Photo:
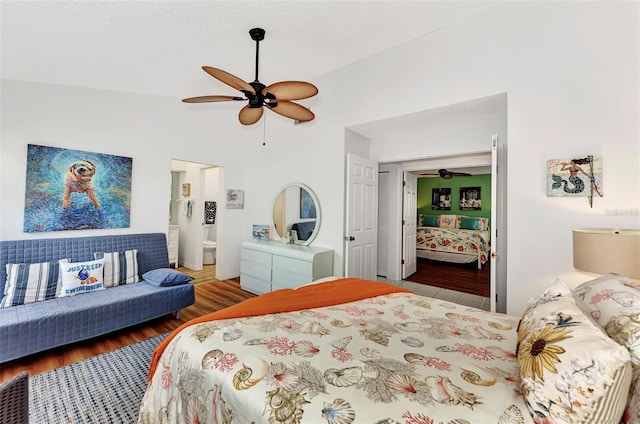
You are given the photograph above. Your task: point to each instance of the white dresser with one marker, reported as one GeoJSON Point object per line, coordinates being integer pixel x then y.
{"type": "Point", "coordinates": [267, 266]}
{"type": "Point", "coordinates": [173, 238]}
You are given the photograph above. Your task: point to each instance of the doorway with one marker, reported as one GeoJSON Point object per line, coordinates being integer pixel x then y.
{"type": "Point", "coordinates": [447, 136]}
{"type": "Point", "coordinates": [195, 213]}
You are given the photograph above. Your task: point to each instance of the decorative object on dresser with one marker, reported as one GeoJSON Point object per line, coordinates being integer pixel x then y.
{"type": "Point", "coordinates": [260, 232]}
{"type": "Point", "coordinates": [173, 243]}
{"type": "Point", "coordinates": [602, 251]}
{"type": "Point", "coordinates": [268, 266]}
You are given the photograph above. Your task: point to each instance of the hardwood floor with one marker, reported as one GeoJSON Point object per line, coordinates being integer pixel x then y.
{"type": "Point", "coordinates": [464, 278]}
{"type": "Point", "coordinates": [206, 275]}
{"type": "Point", "coordinates": [210, 296]}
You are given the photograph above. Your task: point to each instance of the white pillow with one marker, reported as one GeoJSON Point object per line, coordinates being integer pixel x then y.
{"type": "Point", "coordinates": [81, 277]}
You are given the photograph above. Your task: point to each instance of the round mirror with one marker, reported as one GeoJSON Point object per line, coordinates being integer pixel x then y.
{"type": "Point", "coordinates": [296, 212]}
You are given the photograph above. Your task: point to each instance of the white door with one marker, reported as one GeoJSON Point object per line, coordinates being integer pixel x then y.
{"type": "Point", "coordinates": [409, 213]}
{"type": "Point", "coordinates": [494, 220]}
{"type": "Point", "coordinates": [361, 217]}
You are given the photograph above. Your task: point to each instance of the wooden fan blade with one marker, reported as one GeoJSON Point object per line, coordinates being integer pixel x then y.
{"type": "Point", "coordinates": [291, 90]}
{"type": "Point", "coordinates": [293, 110]}
{"type": "Point", "coordinates": [460, 174]}
{"type": "Point", "coordinates": [229, 79]}
{"type": "Point", "coordinates": [205, 99]}
{"type": "Point", "coordinates": [250, 115]}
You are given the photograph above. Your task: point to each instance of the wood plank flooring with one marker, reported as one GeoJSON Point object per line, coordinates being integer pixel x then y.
{"type": "Point", "coordinates": [464, 278]}
{"type": "Point", "coordinates": [210, 296]}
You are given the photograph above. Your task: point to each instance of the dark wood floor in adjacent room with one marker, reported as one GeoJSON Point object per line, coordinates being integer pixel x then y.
{"type": "Point", "coordinates": [466, 278]}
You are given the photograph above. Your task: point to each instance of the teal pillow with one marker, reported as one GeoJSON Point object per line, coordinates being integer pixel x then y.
{"type": "Point", "coordinates": [430, 221]}
{"type": "Point", "coordinates": [469, 223]}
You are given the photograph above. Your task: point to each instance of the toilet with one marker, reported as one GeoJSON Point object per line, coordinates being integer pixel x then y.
{"type": "Point", "coordinates": [208, 247]}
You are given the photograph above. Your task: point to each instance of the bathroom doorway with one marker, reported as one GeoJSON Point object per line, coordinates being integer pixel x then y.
{"type": "Point", "coordinates": [195, 214]}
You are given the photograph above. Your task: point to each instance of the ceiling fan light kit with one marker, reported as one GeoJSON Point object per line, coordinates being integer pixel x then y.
{"type": "Point", "coordinates": [276, 97]}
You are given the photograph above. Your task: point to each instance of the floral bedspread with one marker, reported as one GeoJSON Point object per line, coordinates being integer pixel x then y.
{"type": "Point", "coordinates": [395, 358]}
{"type": "Point", "coordinates": [470, 242]}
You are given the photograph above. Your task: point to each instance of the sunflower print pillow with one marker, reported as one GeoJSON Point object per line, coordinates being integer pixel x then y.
{"type": "Point", "coordinates": [570, 370]}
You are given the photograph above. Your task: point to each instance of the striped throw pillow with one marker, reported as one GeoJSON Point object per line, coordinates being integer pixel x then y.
{"type": "Point", "coordinates": [28, 283]}
{"type": "Point", "coordinates": [119, 267]}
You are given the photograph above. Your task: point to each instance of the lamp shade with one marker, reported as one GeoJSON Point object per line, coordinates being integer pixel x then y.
{"type": "Point", "coordinates": [604, 251]}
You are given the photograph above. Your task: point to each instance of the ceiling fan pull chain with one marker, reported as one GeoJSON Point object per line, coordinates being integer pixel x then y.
{"type": "Point", "coordinates": [264, 131]}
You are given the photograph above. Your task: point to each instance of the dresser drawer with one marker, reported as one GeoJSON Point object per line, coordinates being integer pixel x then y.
{"type": "Point", "coordinates": [254, 285]}
{"type": "Point", "coordinates": [294, 265]}
{"type": "Point", "coordinates": [262, 258]}
{"type": "Point", "coordinates": [255, 270]}
{"type": "Point", "coordinates": [289, 279]}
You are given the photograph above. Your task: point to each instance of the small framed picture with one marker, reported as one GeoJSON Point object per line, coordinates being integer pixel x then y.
{"type": "Point", "coordinates": [235, 199]}
{"type": "Point", "coordinates": [470, 199]}
{"type": "Point", "coordinates": [261, 232]}
{"type": "Point", "coordinates": [186, 190]}
{"type": "Point", "coordinates": [441, 199]}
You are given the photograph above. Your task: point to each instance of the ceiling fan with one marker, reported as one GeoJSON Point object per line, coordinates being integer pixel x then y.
{"type": "Point", "coordinates": [447, 175]}
{"type": "Point", "coordinates": [276, 97]}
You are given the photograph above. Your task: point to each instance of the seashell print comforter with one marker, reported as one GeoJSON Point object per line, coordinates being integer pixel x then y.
{"type": "Point", "coordinates": [392, 358]}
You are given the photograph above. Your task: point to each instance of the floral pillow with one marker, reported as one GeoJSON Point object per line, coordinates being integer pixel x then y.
{"type": "Point", "coordinates": [614, 303]}
{"type": "Point", "coordinates": [447, 221]}
{"type": "Point", "coordinates": [570, 370]}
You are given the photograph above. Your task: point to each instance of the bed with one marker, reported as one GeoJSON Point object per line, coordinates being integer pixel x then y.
{"type": "Point", "coordinates": [357, 351]}
{"type": "Point", "coordinates": [453, 238]}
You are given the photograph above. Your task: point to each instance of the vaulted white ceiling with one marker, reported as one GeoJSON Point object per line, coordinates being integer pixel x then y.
{"type": "Point", "coordinates": [158, 47]}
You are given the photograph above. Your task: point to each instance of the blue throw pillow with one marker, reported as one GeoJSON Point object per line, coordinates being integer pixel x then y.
{"type": "Point", "coordinates": [430, 221]}
{"type": "Point", "coordinates": [165, 277]}
{"type": "Point", "coordinates": [469, 223]}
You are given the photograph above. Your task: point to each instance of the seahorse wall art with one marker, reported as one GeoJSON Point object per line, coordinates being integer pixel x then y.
{"type": "Point", "coordinates": [580, 176]}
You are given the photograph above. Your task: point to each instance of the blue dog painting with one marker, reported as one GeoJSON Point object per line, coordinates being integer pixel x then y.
{"type": "Point", "coordinates": [75, 190]}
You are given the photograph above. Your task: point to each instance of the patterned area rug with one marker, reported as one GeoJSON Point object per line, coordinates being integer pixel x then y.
{"type": "Point", "coordinates": [107, 388]}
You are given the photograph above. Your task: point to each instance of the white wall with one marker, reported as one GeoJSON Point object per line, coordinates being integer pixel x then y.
{"type": "Point", "coordinates": [572, 89]}
{"type": "Point", "coordinates": [152, 130]}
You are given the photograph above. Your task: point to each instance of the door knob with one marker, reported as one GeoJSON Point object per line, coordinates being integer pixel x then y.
{"type": "Point", "coordinates": [349, 238]}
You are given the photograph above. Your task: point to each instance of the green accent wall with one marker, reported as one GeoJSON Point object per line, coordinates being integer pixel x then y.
{"type": "Point", "coordinates": [426, 185]}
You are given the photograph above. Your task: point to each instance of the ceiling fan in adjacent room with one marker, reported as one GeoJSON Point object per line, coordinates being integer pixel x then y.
{"type": "Point", "coordinates": [447, 175]}
{"type": "Point", "coordinates": [277, 97]}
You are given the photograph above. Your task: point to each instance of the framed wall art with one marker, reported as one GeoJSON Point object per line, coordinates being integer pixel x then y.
{"type": "Point", "coordinates": [235, 199]}
{"type": "Point", "coordinates": [260, 232]}
{"type": "Point", "coordinates": [575, 177]}
{"type": "Point", "coordinates": [307, 205]}
{"type": "Point", "coordinates": [75, 190]}
{"type": "Point", "coordinates": [186, 190]}
{"type": "Point", "coordinates": [441, 199]}
{"type": "Point", "coordinates": [470, 199]}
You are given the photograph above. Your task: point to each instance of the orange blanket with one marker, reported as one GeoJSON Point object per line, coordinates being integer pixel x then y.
{"type": "Point", "coordinates": [313, 296]}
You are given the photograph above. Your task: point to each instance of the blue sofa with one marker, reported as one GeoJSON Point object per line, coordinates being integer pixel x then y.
{"type": "Point", "coordinates": [34, 327]}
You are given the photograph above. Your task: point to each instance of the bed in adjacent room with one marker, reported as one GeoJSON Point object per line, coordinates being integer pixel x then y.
{"type": "Point", "coordinates": [358, 351]}
{"type": "Point", "coordinates": [453, 238]}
